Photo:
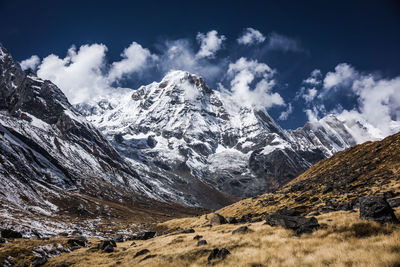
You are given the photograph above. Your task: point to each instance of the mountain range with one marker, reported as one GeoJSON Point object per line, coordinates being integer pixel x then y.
{"type": "Point", "coordinates": [171, 143]}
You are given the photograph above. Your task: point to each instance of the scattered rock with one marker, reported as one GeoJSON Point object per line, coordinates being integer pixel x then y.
{"type": "Point", "coordinates": [197, 237]}
{"type": "Point", "coordinates": [231, 220]}
{"type": "Point", "coordinates": [201, 242]}
{"type": "Point", "coordinates": [8, 233]}
{"type": "Point", "coordinates": [248, 218]}
{"type": "Point", "coordinates": [299, 224]}
{"type": "Point", "coordinates": [39, 261]}
{"type": "Point", "coordinates": [79, 241]}
{"type": "Point", "coordinates": [133, 244]}
{"type": "Point", "coordinates": [218, 254]}
{"type": "Point", "coordinates": [119, 238]}
{"type": "Point", "coordinates": [217, 219]}
{"type": "Point", "coordinates": [108, 249]}
{"type": "Point", "coordinates": [188, 231]}
{"type": "Point", "coordinates": [143, 235]}
{"type": "Point", "coordinates": [141, 252]}
{"type": "Point", "coordinates": [2, 241]}
{"type": "Point", "coordinates": [148, 257]}
{"type": "Point", "coordinates": [395, 202]}
{"type": "Point", "coordinates": [241, 230]}
{"type": "Point", "coordinates": [376, 208]}
{"type": "Point", "coordinates": [107, 243]}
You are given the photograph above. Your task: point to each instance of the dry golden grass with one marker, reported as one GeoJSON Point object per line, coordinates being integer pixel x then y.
{"type": "Point", "coordinates": [343, 240]}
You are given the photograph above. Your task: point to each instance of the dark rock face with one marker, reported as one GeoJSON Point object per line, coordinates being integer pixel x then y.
{"type": "Point", "coordinates": [218, 254]}
{"type": "Point", "coordinates": [241, 230]}
{"type": "Point", "coordinates": [8, 233]}
{"type": "Point", "coordinates": [141, 252]}
{"type": "Point", "coordinates": [143, 235]}
{"type": "Point", "coordinates": [217, 219]}
{"type": "Point", "coordinates": [376, 208]}
{"type": "Point", "coordinates": [299, 224]}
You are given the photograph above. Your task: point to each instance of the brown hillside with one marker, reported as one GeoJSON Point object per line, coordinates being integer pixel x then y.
{"type": "Point", "coordinates": [335, 183]}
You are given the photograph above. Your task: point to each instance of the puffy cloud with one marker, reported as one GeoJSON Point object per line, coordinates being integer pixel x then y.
{"type": "Point", "coordinates": [244, 72]}
{"type": "Point", "coordinates": [79, 74]}
{"type": "Point", "coordinates": [210, 43]}
{"type": "Point", "coordinates": [285, 114]}
{"type": "Point", "coordinates": [377, 99]}
{"type": "Point", "coordinates": [251, 36]}
{"type": "Point", "coordinates": [135, 59]}
{"type": "Point", "coordinates": [282, 43]}
{"type": "Point", "coordinates": [343, 75]}
{"type": "Point", "coordinates": [30, 63]}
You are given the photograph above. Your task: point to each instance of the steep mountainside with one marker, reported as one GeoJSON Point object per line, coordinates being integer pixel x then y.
{"type": "Point", "coordinates": [54, 162]}
{"type": "Point", "coordinates": [336, 183]}
{"type": "Point", "coordinates": [179, 127]}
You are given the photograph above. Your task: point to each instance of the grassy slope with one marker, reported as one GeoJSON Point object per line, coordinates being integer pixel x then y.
{"type": "Point", "coordinates": [343, 240]}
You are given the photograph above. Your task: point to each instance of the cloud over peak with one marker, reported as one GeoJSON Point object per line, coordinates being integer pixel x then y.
{"type": "Point", "coordinates": [210, 43]}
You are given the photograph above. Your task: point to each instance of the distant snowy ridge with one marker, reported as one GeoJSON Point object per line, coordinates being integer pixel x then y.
{"type": "Point", "coordinates": [179, 125]}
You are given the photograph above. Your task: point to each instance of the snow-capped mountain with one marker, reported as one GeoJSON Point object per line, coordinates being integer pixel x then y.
{"type": "Point", "coordinates": [54, 162]}
{"type": "Point", "coordinates": [175, 141]}
{"type": "Point", "coordinates": [183, 128]}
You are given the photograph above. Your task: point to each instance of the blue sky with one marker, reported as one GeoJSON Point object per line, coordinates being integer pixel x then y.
{"type": "Point", "coordinates": [303, 43]}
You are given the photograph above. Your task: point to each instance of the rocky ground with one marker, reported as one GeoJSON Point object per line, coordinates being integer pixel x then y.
{"type": "Point", "coordinates": [339, 238]}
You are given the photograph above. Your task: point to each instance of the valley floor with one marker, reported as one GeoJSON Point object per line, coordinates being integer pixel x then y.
{"type": "Point", "coordinates": [342, 240]}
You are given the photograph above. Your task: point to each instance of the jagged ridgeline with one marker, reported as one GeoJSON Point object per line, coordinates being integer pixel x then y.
{"type": "Point", "coordinates": [173, 141]}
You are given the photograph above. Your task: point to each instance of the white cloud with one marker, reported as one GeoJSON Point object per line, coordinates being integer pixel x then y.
{"type": "Point", "coordinates": [30, 63]}
{"type": "Point", "coordinates": [285, 114]}
{"type": "Point", "coordinates": [245, 72]}
{"type": "Point", "coordinates": [343, 75]}
{"type": "Point", "coordinates": [79, 74]}
{"type": "Point", "coordinates": [310, 95]}
{"type": "Point", "coordinates": [251, 36]}
{"type": "Point", "coordinates": [282, 43]}
{"type": "Point", "coordinates": [377, 99]}
{"type": "Point", "coordinates": [180, 55]}
{"type": "Point", "coordinates": [135, 59]}
{"type": "Point", "coordinates": [210, 43]}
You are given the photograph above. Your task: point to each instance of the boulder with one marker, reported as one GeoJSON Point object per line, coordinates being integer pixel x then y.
{"type": "Point", "coordinates": [79, 241]}
{"type": "Point", "coordinates": [141, 252]}
{"type": "Point", "coordinates": [107, 243]}
{"type": "Point", "coordinates": [197, 237]}
{"type": "Point", "coordinates": [231, 220]}
{"type": "Point", "coordinates": [188, 231]}
{"type": "Point", "coordinates": [201, 242]}
{"type": "Point", "coordinates": [119, 238]}
{"type": "Point", "coordinates": [299, 224]}
{"type": "Point", "coordinates": [39, 261]}
{"type": "Point", "coordinates": [143, 235]}
{"type": "Point", "coordinates": [217, 219]}
{"type": "Point", "coordinates": [8, 233]}
{"type": "Point", "coordinates": [108, 249]}
{"type": "Point", "coordinates": [218, 254]}
{"type": "Point", "coordinates": [376, 208]}
{"type": "Point", "coordinates": [395, 202]}
{"type": "Point", "coordinates": [241, 230]}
